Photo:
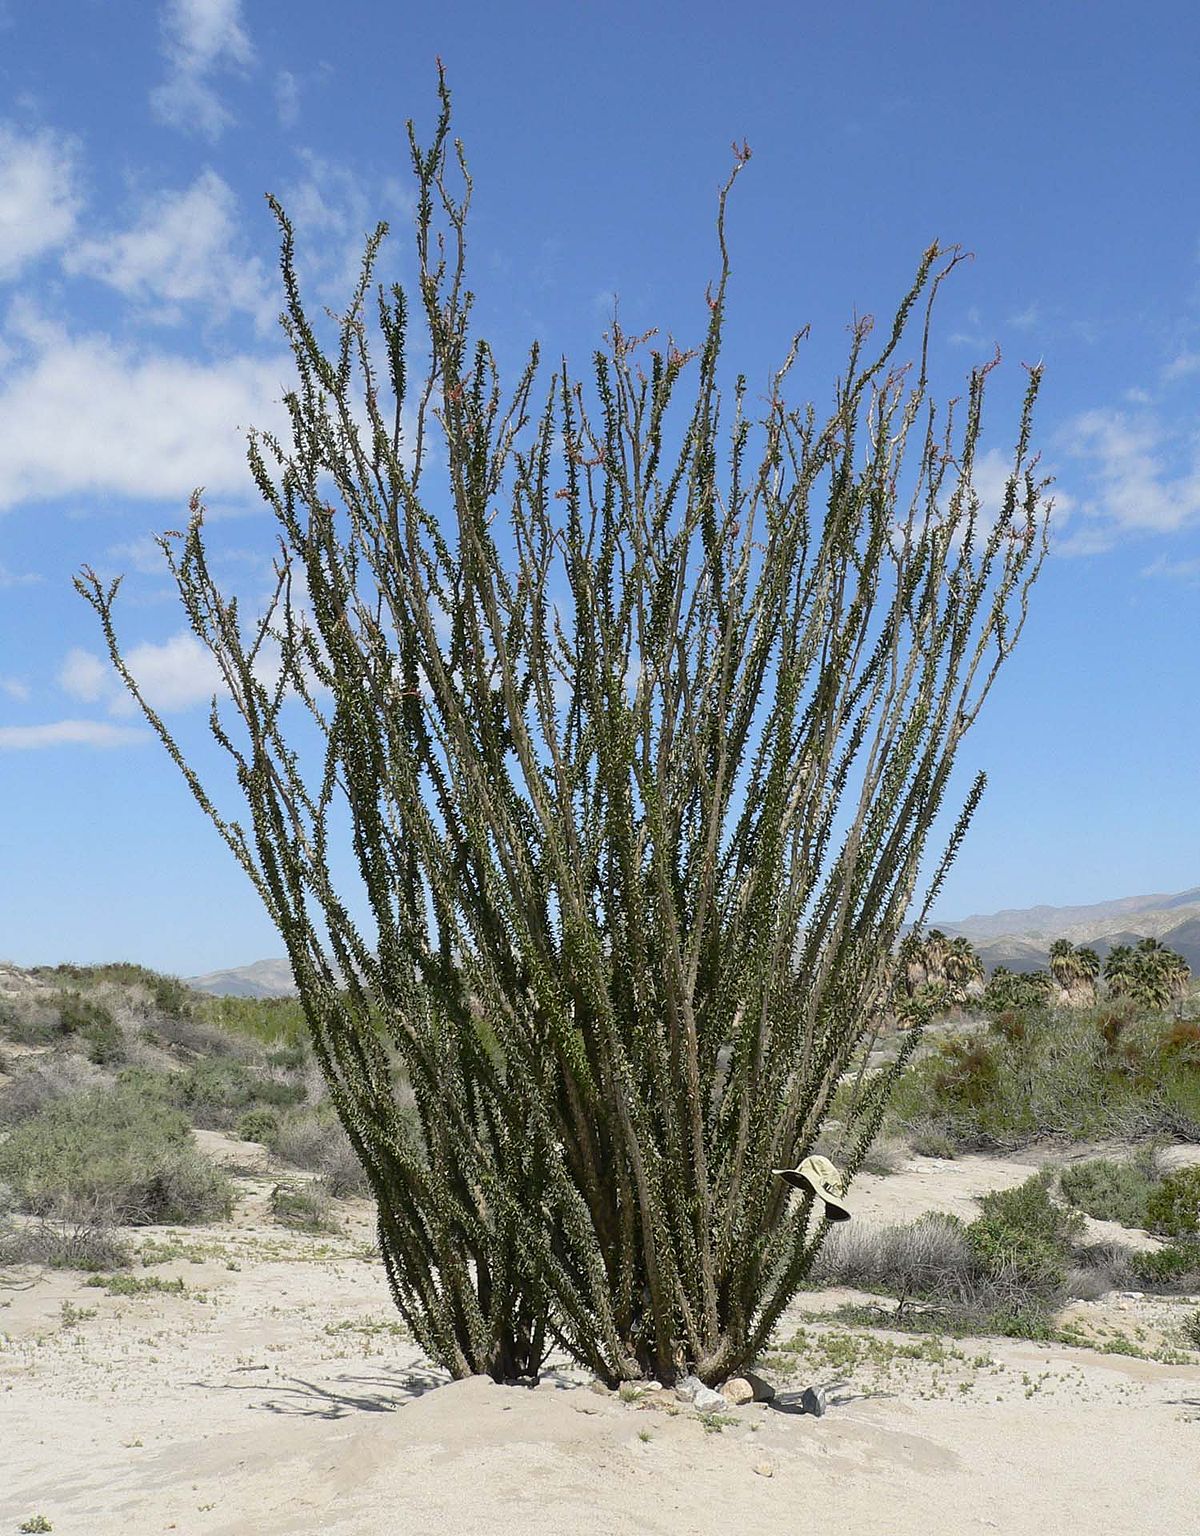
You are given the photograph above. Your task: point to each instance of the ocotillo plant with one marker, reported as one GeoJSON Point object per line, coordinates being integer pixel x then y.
{"type": "Point", "coordinates": [637, 726]}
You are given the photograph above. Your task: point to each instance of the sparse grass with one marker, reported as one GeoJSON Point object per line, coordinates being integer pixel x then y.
{"type": "Point", "coordinates": [115, 1152]}
{"type": "Point", "coordinates": [35, 1523]}
{"type": "Point", "coordinates": [137, 1285]}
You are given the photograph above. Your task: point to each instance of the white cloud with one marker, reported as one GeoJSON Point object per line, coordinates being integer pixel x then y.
{"type": "Point", "coordinates": [84, 676]}
{"type": "Point", "coordinates": [38, 198]}
{"type": "Point", "coordinates": [14, 688]}
{"type": "Point", "coordinates": [182, 250]}
{"type": "Point", "coordinates": [1140, 478]}
{"type": "Point", "coordinates": [89, 733]}
{"type": "Point", "coordinates": [81, 416]}
{"type": "Point", "coordinates": [173, 674]}
{"type": "Point", "coordinates": [201, 39]}
{"type": "Point", "coordinates": [17, 578]}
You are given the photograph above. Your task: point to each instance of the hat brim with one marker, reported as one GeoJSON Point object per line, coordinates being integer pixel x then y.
{"type": "Point", "coordinates": [833, 1208]}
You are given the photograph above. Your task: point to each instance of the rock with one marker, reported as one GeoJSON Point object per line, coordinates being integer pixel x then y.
{"type": "Point", "coordinates": [812, 1400]}
{"type": "Point", "coordinates": [737, 1390]}
{"type": "Point", "coordinates": [598, 1387]}
{"type": "Point", "coordinates": [763, 1390]}
{"type": "Point", "coordinates": [708, 1401]}
{"type": "Point", "coordinates": [651, 1385]}
{"type": "Point", "coordinates": [687, 1387]}
{"type": "Point", "coordinates": [764, 1469]}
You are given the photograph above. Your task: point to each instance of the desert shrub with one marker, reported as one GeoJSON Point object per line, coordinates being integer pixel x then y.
{"type": "Point", "coordinates": [88, 1242]}
{"type": "Point", "coordinates": [1174, 1267]}
{"type": "Point", "coordinates": [288, 1058]}
{"type": "Point", "coordinates": [28, 1021]}
{"type": "Point", "coordinates": [304, 1208]}
{"type": "Point", "coordinates": [217, 1092]}
{"type": "Point", "coordinates": [315, 1140]}
{"type": "Point", "coordinates": [1189, 1328]}
{"type": "Point", "coordinates": [1173, 1208]}
{"type": "Point", "coordinates": [928, 1257]}
{"type": "Point", "coordinates": [128, 1156]}
{"type": "Point", "coordinates": [1108, 1190]}
{"type": "Point", "coordinates": [48, 1080]}
{"type": "Point", "coordinates": [258, 1125]}
{"type": "Point", "coordinates": [198, 1036]}
{"type": "Point", "coordinates": [105, 1042]}
{"type": "Point", "coordinates": [968, 1074]}
{"type": "Point", "coordinates": [1099, 1268]}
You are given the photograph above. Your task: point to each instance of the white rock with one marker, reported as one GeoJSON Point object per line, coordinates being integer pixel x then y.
{"type": "Point", "coordinates": [708, 1401]}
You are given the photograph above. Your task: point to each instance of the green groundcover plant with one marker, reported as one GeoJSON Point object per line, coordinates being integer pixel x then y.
{"type": "Point", "coordinates": [635, 700]}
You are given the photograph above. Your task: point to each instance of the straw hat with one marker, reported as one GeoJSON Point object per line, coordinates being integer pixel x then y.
{"type": "Point", "coordinates": [817, 1176]}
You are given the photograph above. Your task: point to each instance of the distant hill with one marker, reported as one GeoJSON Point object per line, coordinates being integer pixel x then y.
{"type": "Point", "coordinates": [265, 978]}
{"type": "Point", "coordinates": [1141, 914]}
{"type": "Point", "coordinates": [1020, 938]}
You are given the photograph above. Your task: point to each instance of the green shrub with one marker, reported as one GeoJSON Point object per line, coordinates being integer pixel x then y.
{"type": "Point", "coordinates": [115, 1151]}
{"type": "Point", "coordinates": [1190, 1329]}
{"type": "Point", "coordinates": [1025, 1233]}
{"type": "Point", "coordinates": [1173, 1209]}
{"type": "Point", "coordinates": [77, 1013]}
{"type": "Point", "coordinates": [1175, 1267]}
{"type": "Point", "coordinates": [1108, 1190]}
{"type": "Point", "coordinates": [258, 1125]}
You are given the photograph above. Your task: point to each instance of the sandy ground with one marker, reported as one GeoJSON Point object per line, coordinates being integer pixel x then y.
{"type": "Point", "coordinates": [277, 1395]}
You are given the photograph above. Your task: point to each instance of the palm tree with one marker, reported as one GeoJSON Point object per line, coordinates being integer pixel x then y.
{"type": "Point", "coordinates": [1119, 969]}
{"type": "Point", "coordinates": [1074, 971]}
{"type": "Point", "coordinates": [1062, 963]}
{"type": "Point", "coordinates": [962, 964]}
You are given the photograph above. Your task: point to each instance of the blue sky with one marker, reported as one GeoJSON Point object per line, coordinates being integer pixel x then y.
{"type": "Point", "coordinates": [138, 291]}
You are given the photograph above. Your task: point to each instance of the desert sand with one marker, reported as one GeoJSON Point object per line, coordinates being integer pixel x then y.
{"type": "Point", "coordinates": [277, 1394]}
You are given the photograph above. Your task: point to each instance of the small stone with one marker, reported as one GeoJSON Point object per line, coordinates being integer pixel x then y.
{"type": "Point", "coordinates": [651, 1385]}
{"type": "Point", "coordinates": [598, 1387]}
{"type": "Point", "coordinates": [764, 1469]}
{"type": "Point", "coordinates": [737, 1390]}
{"type": "Point", "coordinates": [687, 1387]}
{"type": "Point", "coordinates": [812, 1400]}
{"type": "Point", "coordinates": [708, 1401]}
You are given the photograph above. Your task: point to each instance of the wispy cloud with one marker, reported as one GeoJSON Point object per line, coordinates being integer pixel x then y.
{"type": "Point", "coordinates": [1135, 477]}
{"type": "Point", "coordinates": [1182, 366]}
{"type": "Point", "coordinates": [14, 688]}
{"type": "Point", "coordinates": [72, 733]}
{"type": "Point", "coordinates": [17, 578]}
{"type": "Point", "coordinates": [1186, 571]}
{"type": "Point", "coordinates": [287, 98]}
{"type": "Point", "coordinates": [202, 39]}
{"type": "Point", "coordinates": [80, 415]}
{"type": "Point", "coordinates": [183, 249]}
{"type": "Point", "coordinates": [39, 200]}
